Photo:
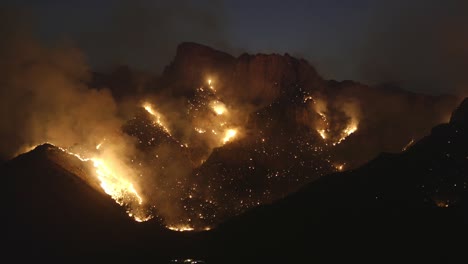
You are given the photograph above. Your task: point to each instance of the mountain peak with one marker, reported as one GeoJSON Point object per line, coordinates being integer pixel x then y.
{"type": "Point", "coordinates": [258, 78]}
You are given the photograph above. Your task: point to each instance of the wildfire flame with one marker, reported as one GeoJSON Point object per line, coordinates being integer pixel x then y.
{"type": "Point", "coordinates": [157, 117]}
{"type": "Point", "coordinates": [322, 133]}
{"type": "Point", "coordinates": [218, 107]}
{"type": "Point", "coordinates": [408, 145]}
{"type": "Point", "coordinates": [209, 85]}
{"type": "Point", "coordinates": [229, 135]}
{"type": "Point", "coordinates": [323, 127]}
{"type": "Point", "coordinates": [350, 129]}
{"type": "Point", "coordinates": [184, 228]}
{"type": "Point", "coordinates": [181, 228]}
{"type": "Point", "coordinates": [98, 146]}
{"type": "Point", "coordinates": [339, 167]}
{"type": "Point", "coordinates": [112, 183]}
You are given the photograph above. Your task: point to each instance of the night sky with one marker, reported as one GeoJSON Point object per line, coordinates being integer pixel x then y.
{"type": "Point", "coordinates": [422, 45]}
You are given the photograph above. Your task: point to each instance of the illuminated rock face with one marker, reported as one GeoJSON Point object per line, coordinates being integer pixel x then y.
{"type": "Point", "coordinates": [253, 78]}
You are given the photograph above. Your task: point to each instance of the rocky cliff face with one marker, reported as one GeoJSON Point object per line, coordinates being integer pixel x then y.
{"type": "Point", "coordinates": [294, 127]}
{"type": "Point", "coordinates": [257, 78]}
{"type": "Point", "coordinates": [264, 126]}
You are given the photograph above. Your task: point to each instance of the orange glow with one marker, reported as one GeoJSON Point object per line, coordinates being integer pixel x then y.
{"type": "Point", "coordinates": [157, 117]}
{"type": "Point", "coordinates": [322, 133]}
{"type": "Point", "coordinates": [229, 135]}
{"type": "Point", "coordinates": [350, 129]}
{"type": "Point", "coordinates": [181, 228]}
{"type": "Point", "coordinates": [408, 145]}
{"type": "Point", "coordinates": [218, 107]}
{"type": "Point", "coordinates": [114, 184]}
{"type": "Point", "coordinates": [339, 167]}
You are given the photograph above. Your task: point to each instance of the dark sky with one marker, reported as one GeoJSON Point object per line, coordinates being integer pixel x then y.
{"type": "Point", "coordinates": [422, 45]}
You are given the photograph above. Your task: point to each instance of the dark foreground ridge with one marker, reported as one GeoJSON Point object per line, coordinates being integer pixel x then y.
{"type": "Point", "coordinates": [398, 206]}
{"type": "Point", "coordinates": [411, 205]}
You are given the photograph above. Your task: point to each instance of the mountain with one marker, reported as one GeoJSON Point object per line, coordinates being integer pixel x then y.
{"type": "Point", "coordinates": [411, 205]}
{"type": "Point", "coordinates": [53, 210]}
{"type": "Point", "coordinates": [216, 135]}
{"type": "Point", "coordinates": [291, 127]}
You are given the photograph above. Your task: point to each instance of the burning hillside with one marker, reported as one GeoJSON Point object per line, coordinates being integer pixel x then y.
{"type": "Point", "coordinates": [213, 136]}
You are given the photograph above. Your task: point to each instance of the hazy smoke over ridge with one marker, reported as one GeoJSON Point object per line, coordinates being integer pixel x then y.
{"type": "Point", "coordinates": [421, 45]}
{"type": "Point", "coordinates": [146, 33]}
{"type": "Point", "coordinates": [44, 96]}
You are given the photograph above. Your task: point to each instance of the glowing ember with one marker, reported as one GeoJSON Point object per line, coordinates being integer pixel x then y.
{"type": "Point", "coordinates": [229, 135]}
{"type": "Point", "coordinates": [307, 98]}
{"type": "Point", "coordinates": [144, 219]}
{"type": "Point", "coordinates": [157, 117]}
{"type": "Point", "coordinates": [98, 146]}
{"type": "Point", "coordinates": [185, 228]}
{"type": "Point", "coordinates": [211, 86]}
{"type": "Point", "coordinates": [180, 228]}
{"type": "Point", "coordinates": [339, 167]}
{"type": "Point", "coordinates": [322, 133]}
{"type": "Point", "coordinates": [408, 145]}
{"type": "Point", "coordinates": [218, 107]}
{"type": "Point", "coordinates": [200, 130]}
{"type": "Point", "coordinates": [323, 116]}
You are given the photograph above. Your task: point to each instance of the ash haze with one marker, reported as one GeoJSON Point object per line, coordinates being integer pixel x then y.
{"type": "Point", "coordinates": [44, 96]}
{"type": "Point", "coordinates": [262, 128]}
{"type": "Point", "coordinates": [199, 134]}
{"type": "Point", "coordinates": [418, 45]}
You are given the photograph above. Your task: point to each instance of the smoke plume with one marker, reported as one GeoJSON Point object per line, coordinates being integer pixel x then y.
{"type": "Point", "coordinates": [44, 96]}
{"type": "Point", "coordinates": [421, 45]}
{"type": "Point", "coordinates": [144, 34]}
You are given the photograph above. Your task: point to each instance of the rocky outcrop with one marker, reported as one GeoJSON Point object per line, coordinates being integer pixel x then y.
{"type": "Point", "coordinates": [256, 79]}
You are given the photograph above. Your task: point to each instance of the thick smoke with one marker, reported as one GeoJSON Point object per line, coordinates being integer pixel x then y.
{"type": "Point", "coordinates": [144, 34]}
{"type": "Point", "coordinates": [421, 45]}
{"type": "Point", "coordinates": [44, 96]}
{"type": "Point", "coordinates": [387, 118]}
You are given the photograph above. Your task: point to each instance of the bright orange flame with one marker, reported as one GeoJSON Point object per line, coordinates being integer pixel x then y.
{"type": "Point", "coordinates": [157, 117]}
{"type": "Point", "coordinates": [209, 85]}
{"type": "Point", "coordinates": [229, 135]}
{"type": "Point", "coordinates": [185, 228]}
{"type": "Point", "coordinates": [98, 146]}
{"type": "Point", "coordinates": [115, 185]}
{"type": "Point", "coordinates": [218, 107]}
{"type": "Point", "coordinates": [112, 184]}
{"type": "Point", "coordinates": [350, 129]}
{"type": "Point", "coordinates": [339, 167]}
{"type": "Point", "coordinates": [200, 130]}
{"type": "Point", "coordinates": [322, 133]}
{"type": "Point", "coordinates": [181, 228]}
{"type": "Point", "coordinates": [408, 145]}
